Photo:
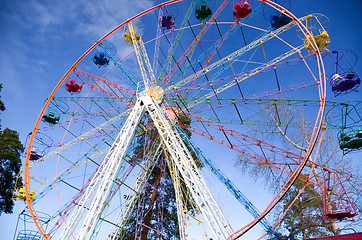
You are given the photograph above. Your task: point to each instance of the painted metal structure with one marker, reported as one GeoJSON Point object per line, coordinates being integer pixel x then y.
{"type": "Point", "coordinates": [196, 71]}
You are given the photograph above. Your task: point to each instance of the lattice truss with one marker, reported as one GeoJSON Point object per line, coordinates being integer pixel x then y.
{"type": "Point", "coordinates": [219, 82]}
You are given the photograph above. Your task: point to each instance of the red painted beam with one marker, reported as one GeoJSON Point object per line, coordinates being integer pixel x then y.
{"type": "Point", "coordinates": [354, 236]}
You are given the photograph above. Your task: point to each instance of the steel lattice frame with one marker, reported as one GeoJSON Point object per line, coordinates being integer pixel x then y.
{"type": "Point", "coordinates": [94, 193]}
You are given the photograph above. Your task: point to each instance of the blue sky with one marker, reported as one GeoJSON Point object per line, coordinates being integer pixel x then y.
{"type": "Point", "coordinates": [42, 39]}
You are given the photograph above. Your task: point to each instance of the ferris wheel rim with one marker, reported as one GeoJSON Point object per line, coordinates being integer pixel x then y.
{"type": "Point", "coordinates": [310, 148]}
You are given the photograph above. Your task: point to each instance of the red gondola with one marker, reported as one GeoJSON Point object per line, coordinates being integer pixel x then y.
{"type": "Point", "coordinates": [73, 87]}
{"type": "Point", "coordinates": [241, 11]}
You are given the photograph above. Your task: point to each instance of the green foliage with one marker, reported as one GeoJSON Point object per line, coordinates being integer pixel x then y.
{"type": "Point", "coordinates": [170, 222]}
{"type": "Point", "coordinates": [184, 122]}
{"type": "Point", "coordinates": [10, 163]}
{"type": "Point", "coordinates": [304, 220]}
{"type": "Point", "coordinates": [170, 230]}
{"type": "Point", "coordinates": [2, 106]}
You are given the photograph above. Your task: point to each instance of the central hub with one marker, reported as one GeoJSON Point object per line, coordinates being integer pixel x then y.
{"type": "Point", "coordinates": [156, 93]}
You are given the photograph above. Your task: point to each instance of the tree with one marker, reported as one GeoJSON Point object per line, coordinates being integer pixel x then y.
{"type": "Point", "coordinates": [170, 222]}
{"type": "Point", "coordinates": [303, 220]}
{"type": "Point", "coordinates": [160, 181]}
{"type": "Point", "coordinates": [288, 125]}
{"type": "Point", "coordinates": [10, 151]}
{"type": "Point", "coordinates": [10, 163]}
{"type": "Point", "coordinates": [2, 106]}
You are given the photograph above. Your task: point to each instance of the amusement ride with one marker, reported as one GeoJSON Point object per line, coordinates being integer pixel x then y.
{"type": "Point", "coordinates": [167, 99]}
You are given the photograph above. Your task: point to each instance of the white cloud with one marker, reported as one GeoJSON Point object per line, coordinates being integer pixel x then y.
{"type": "Point", "coordinates": [99, 19]}
{"type": "Point", "coordinates": [84, 17]}
{"type": "Point", "coordinates": [44, 15]}
{"type": "Point", "coordinates": [10, 77]}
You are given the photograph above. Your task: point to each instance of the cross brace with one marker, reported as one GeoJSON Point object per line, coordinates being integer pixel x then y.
{"type": "Point", "coordinates": [95, 195]}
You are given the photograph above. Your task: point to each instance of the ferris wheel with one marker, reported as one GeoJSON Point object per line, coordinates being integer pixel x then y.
{"type": "Point", "coordinates": [163, 92]}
